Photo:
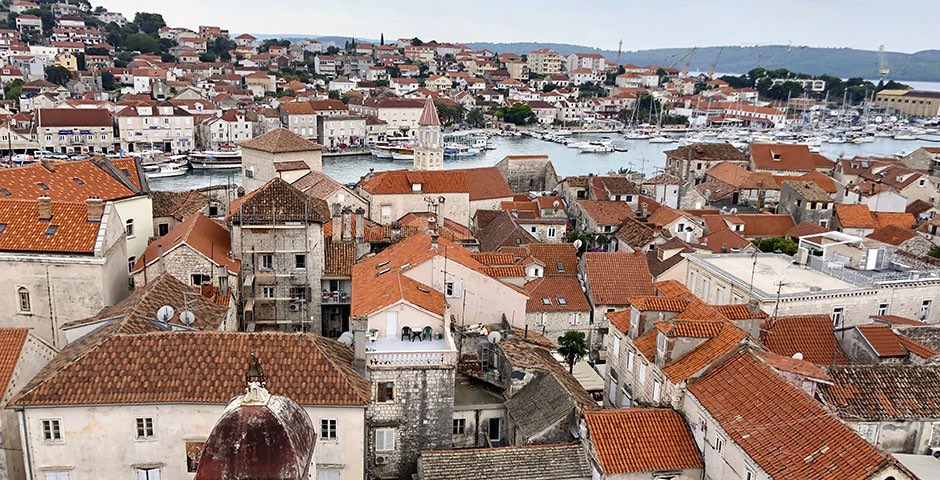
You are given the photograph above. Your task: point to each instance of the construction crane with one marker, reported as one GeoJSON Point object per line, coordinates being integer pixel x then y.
{"type": "Point", "coordinates": [711, 68]}
{"type": "Point", "coordinates": [883, 69]}
{"type": "Point", "coordinates": [619, 51]}
{"type": "Point", "coordinates": [685, 60]}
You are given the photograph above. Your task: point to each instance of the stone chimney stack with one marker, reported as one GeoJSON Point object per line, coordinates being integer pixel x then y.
{"type": "Point", "coordinates": [347, 224]}
{"type": "Point", "coordinates": [45, 208]}
{"type": "Point", "coordinates": [360, 225]}
{"type": "Point", "coordinates": [95, 209]}
{"type": "Point", "coordinates": [359, 325]}
{"type": "Point", "coordinates": [337, 222]}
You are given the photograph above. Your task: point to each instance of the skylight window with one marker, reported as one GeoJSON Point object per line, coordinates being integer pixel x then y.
{"type": "Point", "coordinates": [78, 181]}
{"type": "Point", "coordinates": [4, 192]}
{"type": "Point", "coordinates": [51, 230]}
{"type": "Point", "coordinates": [42, 186]}
{"type": "Point", "coordinates": [562, 301]}
{"type": "Point", "coordinates": [546, 301]}
{"type": "Point", "coordinates": [560, 266]}
{"type": "Point", "coordinates": [3, 227]}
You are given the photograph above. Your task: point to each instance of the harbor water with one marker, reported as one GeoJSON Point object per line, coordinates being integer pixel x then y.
{"type": "Point", "coordinates": [641, 156]}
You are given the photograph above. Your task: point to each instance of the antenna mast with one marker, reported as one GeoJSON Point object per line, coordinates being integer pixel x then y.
{"type": "Point", "coordinates": [883, 69]}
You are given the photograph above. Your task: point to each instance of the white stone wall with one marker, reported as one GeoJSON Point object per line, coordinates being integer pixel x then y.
{"type": "Point", "coordinates": [138, 209]}
{"type": "Point", "coordinates": [258, 166]}
{"type": "Point", "coordinates": [555, 324]}
{"type": "Point", "coordinates": [456, 206]}
{"type": "Point", "coordinates": [100, 441]}
{"type": "Point", "coordinates": [732, 462]}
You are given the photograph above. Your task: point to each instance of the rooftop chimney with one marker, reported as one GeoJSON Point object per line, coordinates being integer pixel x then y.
{"type": "Point", "coordinates": [347, 224]}
{"type": "Point", "coordinates": [360, 225]}
{"type": "Point", "coordinates": [337, 223]}
{"type": "Point", "coordinates": [358, 326]}
{"type": "Point", "coordinates": [48, 164]}
{"type": "Point", "coordinates": [45, 208]}
{"type": "Point", "coordinates": [95, 209]}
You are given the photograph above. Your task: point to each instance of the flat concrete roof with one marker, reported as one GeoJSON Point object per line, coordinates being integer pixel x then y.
{"type": "Point", "coordinates": [769, 271]}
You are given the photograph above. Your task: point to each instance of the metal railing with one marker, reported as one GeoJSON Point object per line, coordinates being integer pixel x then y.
{"type": "Point", "coordinates": [335, 298]}
{"type": "Point", "coordinates": [856, 277]}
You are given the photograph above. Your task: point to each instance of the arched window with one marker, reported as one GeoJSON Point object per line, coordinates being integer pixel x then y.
{"type": "Point", "coordinates": [129, 227]}
{"type": "Point", "coordinates": [24, 299]}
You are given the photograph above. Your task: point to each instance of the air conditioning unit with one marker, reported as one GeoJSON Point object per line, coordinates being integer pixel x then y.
{"type": "Point", "coordinates": [381, 460]}
{"type": "Point", "coordinates": [294, 307]}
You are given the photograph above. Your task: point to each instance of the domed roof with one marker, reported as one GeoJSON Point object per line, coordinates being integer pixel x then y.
{"type": "Point", "coordinates": [259, 437]}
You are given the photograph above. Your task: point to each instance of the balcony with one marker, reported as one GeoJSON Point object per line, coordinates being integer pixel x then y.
{"type": "Point", "coordinates": [395, 353]}
{"type": "Point", "coordinates": [335, 298]}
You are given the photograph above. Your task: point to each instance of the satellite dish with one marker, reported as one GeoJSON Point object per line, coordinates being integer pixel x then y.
{"type": "Point", "coordinates": [441, 199]}
{"type": "Point", "coordinates": [187, 317]}
{"type": "Point", "coordinates": [432, 220]}
{"type": "Point", "coordinates": [577, 244]}
{"type": "Point", "coordinates": [165, 313]}
{"type": "Point", "coordinates": [347, 339]}
{"type": "Point", "coordinates": [494, 337]}
{"type": "Point", "coordinates": [798, 356]}
{"type": "Point", "coordinates": [556, 204]}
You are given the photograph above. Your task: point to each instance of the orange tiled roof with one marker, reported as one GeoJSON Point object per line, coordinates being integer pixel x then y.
{"type": "Point", "coordinates": [383, 290]}
{"type": "Point", "coordinates": [199, 232]}
{"type": "Point", "coordinates": [883, 340]}
{"type": "Point", "coordinates": [197, 367]}
{"type": "Point", "coordinates": [784, 431]}
{"type": "Point", "coordinates": [281, 140]}
{"type": "Point", "coordinates": [503, 271]}
{"type": "Point", "coordinates": [738, 311]}
{"type": "Point", "coordinates": [788, 157]}
{"type": "Point", "coordinates": [809, 335]}
{"type": "Point", "coordinates": [641, 440]}
{"type": "Point", "coordinates": [854, 216]}
{"type": "Point", "coordinates": [605, 212]}
{"type": "Point", "coordinates": [616, 277]}
{"type": "Point", "coordinates": [704, 355]}
{"type": "Point", "coordinates": [11, 345]}
{"type": "Point", "coordinates": [68, 182]}
{"type": "Point", "coordinates": [555, 254]}
{"type": "Point", "coordinates": [659, 304]}
{"type": "Point", "coordinates": [493, 258]}
{"type": "Point", "coordinates": [481, 183]}
{"type": "Point", "coordinates": [893, 234]}
{"type": "Point", "coordinates": [556, 289]}
{"type": "Point", "coordinates": [896, 219]}
{"type": "Point", "coordinates": [673, 289]}
{"type": "Point", "coordinates": [24, 232]}
{"type": "Point", "coordinates": [884, 392]}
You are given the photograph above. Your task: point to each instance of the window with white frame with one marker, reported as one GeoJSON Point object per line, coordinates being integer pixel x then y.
{"type": "Point", "coordinates": [329, 474]}
{"type": "Point", "coordinates": [385, 439]}
{"type": "Point", "coordinates": [719, 444]}
{"type": "Point", "coordinates": [129, 227]}
{"type": "Point", "coordinates": [551, 232]}
{"type": "Point", "coordinates": [924, 309]}
{"type": "Point", "coordinates": [452, 289]}
{"type": "Point", "coordinates": [328, 429]}
{"type": "Point", "coordinates": [883, 308]}
{"type": "Point", "coordinates": [24, 300]}
{"type": "Point", "coordinates": [59, 475]}
{"type": "Point", "coordinates": [837, 315]}
{"type": "Point", "coordinates": [615, 350]}
{"type": "Point", "coordinates": [748, 474]}
{"type": "Point", "coordinates": [144, 428]}
{"type": "Point", "coordinates": [642, 372]}
{"type": "Point", "coordinates": [267, 261]}
{"type": "Point", "coordinates": [51, 430]}
{"type": "Point", "coordinates": [147, 473]}
{"type": "Point", "coordinates": [661, 344]}
{"type": "Point", "coordinates": [630, 355]}
{"type": "Point", "coordinates": [657, 390]}
{"type": "Point", "coordinates": [267, 292]}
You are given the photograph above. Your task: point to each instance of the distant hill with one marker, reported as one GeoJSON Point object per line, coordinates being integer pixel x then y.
{"type": "Point", "coordinates": [842, 62]}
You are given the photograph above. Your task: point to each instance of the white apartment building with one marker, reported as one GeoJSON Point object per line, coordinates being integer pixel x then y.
{"type": "Point", "coordinates": [161, 127]}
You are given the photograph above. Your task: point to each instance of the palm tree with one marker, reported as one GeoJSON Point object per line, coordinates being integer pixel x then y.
{"type": "Point", "coordinates": [572, 347]}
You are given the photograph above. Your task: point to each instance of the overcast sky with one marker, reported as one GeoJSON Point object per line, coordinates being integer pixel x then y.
{"type": "Point", "coordinates": [906, 26]}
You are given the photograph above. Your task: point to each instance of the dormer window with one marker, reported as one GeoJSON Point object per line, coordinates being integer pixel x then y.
{"type": "Point", "coordinates": [776, 156]}
{"type": "Point", "coordinates": [415, 187]}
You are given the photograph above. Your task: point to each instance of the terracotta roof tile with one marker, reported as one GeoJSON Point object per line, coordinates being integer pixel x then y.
{"type": "Point", "coordinates": [339, 258]}
{"type": "Point", "coordinates": [200, 233]}
{"type": "Point", "coordinates": [708, 152]}
{"type": "Point", "coordinates": [493, 258]}
{"type": "Point", "coordinates": [784, 431]}
{"type": "Point", "coordinates": [673, 289]}
{"type": "Point", "coordinates": [556, 289]}
{"type": "Point", "coordinates": [854, 216]}
{"type": "Point", "coordinates": [614, 278]}
{"type": "Point", "coordinates": [23, 231]}
{"type": "Point", "coordinates": [281, 140]}
{"type": "Point", "coordinates": [11, 346]}
{"type": "Point", "coordinates": [805, 228]}
{"type": "Point", "coordinates": [481, 183]}
{"type": "Point", "coordinates": [546, 462]}
{"type": "Point", "coordinates": [896, 219]}
{"type": "Point", "coordinates": [277, 201]}
{"type": "Point", "coordinates": [892, 235]}
{"type": "Point", "coordinates": [883, 340]}
{"type": "Point", "coordinates": [452, 230]}
{"type": "Point", "coordinates": [884, 392]}
{"type": "Point", "coordinates": [68, 182]}
{"type": "Point", "coordinates": [793, 365]}
{"type": "Point", "coordinates": [782, 157]}
{"type": "Point", "coordinates": [605, 212]}
{"type": "Point", "coordinates": [738, 312]}
{"type": "Point", "coordinates": [504, 271]}
{"type": "Point", "coordinates": [559, 258]}
{"type": "Point", "coordinates": [641, 440]}
{"type": "Point", "coordinates": [810, 335]}
{"type": "Point", "coordinates": [197, 367]}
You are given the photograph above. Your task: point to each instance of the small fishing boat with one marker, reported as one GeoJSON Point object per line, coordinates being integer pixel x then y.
{"type": "Point", "coordinates": [216, 160]}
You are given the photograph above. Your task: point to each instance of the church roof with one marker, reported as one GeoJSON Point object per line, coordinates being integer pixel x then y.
{"type": "Point", "coordinates": [429, 115]}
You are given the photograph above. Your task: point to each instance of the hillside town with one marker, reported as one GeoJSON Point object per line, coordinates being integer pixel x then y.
{"type": "Point", "coordinates": [754, 308]}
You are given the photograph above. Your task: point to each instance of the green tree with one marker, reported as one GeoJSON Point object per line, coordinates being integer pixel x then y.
{"type": "Point", "coordinates": [548, 87]}
{"type": "Point", "coordinates": [222, 48]}
{"type": "Point", "coordinates": [11, 90]}
{"type": "Point", "coordinates": [58, 75]}
{"type": "Point", "coordinates": [518, 114]}
{"type": "Point", "coordinates": [149, 23]}
{"type": "Point", "coordinates": [450, 114]}
{"type": "Point", "coordinates": [935, 251]}
{"type": "Point", "coordinates": [44, 14]}
{"type": "Point", "coordinates": [141, 42]}
{"type": "Point", "coordinates": [475, 117]}
{"type": "Point", "coordinates": [774, 244]}
{"type": "Point", "coordinates": [333, 95]}
{"type": "Point", "coordinates": [80, 59]}
{"type": "Point", "coordinates": [572, 346]}
{"type": "Point", "coordinates": [207, 57]}
{"type": "Point", "coordinates": [108, 81]}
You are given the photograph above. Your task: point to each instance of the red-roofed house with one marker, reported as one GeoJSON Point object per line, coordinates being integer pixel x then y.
{"type": "Point", "coordinates": [786, 159]}
{"type": "Point", "coordinates": [393, 194]}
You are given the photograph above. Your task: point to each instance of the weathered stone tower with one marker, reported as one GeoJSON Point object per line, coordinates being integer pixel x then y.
{"type": "Point", "coordinates": [429, 144]}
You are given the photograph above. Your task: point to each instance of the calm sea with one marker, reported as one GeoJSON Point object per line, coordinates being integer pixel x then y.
{"type": "Point", "coordinates": [642, 156]}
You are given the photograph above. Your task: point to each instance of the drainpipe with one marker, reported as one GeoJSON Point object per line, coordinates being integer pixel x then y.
{"type": "Point", "coordinates": [24, 434]}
